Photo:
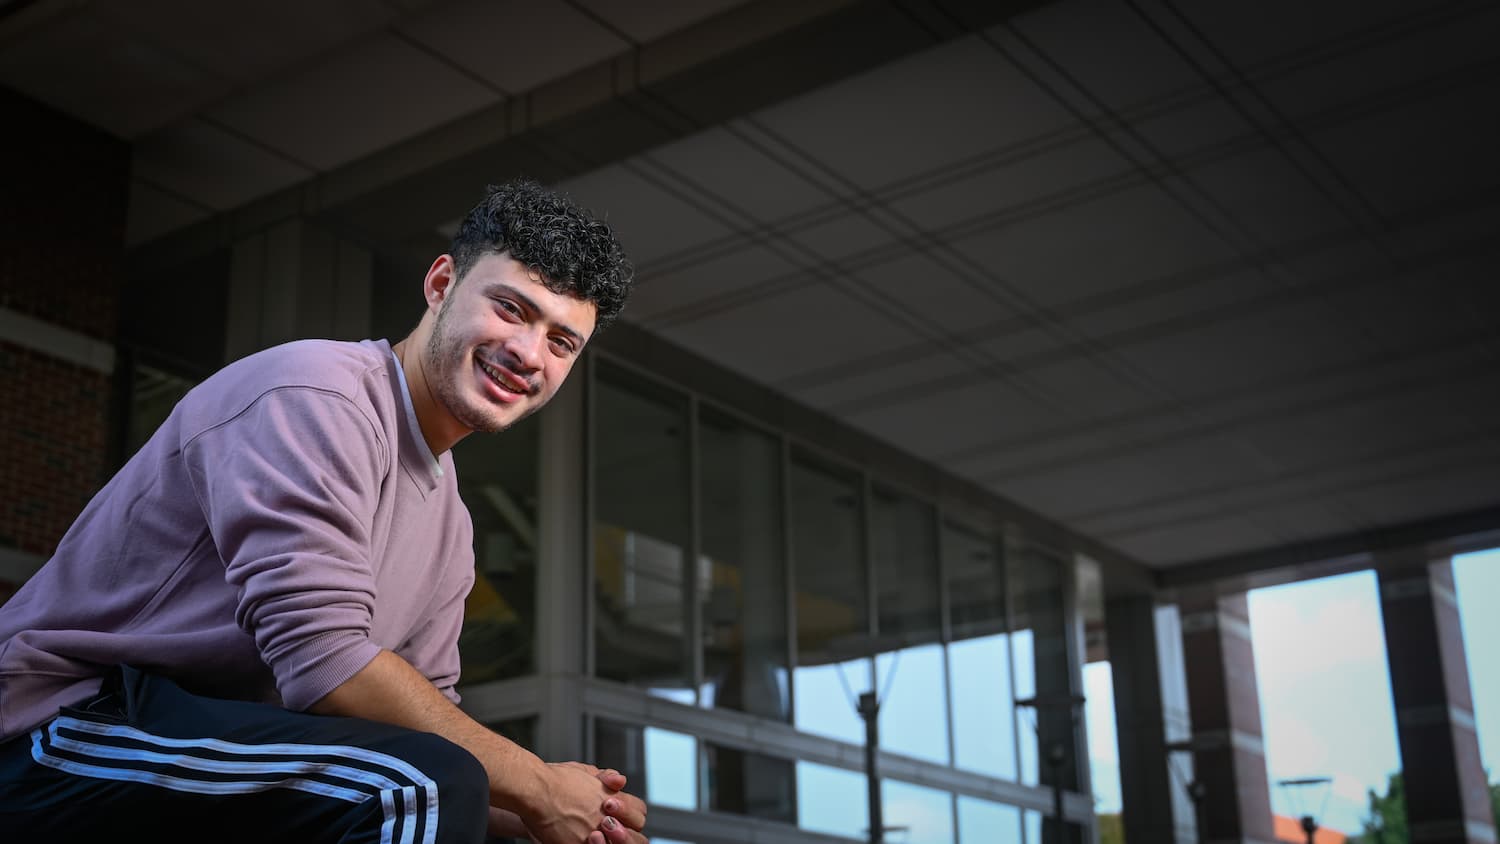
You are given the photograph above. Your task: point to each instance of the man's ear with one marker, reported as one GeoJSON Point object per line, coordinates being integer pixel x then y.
{"type": "Point", "coordinates": [439, 282]}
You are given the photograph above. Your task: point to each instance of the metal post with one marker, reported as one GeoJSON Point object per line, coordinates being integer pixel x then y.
{"type": "Point", "coordinates": [1056, 755]}
{"type": "Point", "coordinates": [869, 709]}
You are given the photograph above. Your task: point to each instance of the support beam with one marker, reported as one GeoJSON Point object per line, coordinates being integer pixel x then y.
{"type": "Point", "coordinates": [1447, 797]}
{"type": "Point", "coordinates": [1147, 705]}
{"type": "Point", "coordinates": [1228, 749]}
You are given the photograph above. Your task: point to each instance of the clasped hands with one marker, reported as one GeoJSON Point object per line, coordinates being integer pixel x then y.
{"type": "Point", "coordinates": [582, 805]}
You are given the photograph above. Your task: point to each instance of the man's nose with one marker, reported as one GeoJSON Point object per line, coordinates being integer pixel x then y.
{"type": "Point", "coordinates": [526, 348]}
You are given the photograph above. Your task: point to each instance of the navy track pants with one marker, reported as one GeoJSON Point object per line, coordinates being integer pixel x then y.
{"type": "Point", "coordinates": [146, 761]}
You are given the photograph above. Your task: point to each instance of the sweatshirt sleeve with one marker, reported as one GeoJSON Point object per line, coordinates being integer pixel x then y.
{"type": "Point", "coordinates": [433, 649]}
{"type": "Point", "coordinates": [289, 488]}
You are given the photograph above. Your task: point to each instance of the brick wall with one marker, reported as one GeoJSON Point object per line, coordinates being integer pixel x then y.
{"type": "Point", "coordinates": [62, 245]}
{"type": "Point", "coordinates": [53, 424]}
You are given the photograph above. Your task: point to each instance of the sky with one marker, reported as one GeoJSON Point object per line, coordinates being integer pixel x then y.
{"type": "Point", "coordinates": [1326, 707]}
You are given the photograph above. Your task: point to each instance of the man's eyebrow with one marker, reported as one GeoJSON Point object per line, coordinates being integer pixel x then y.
{"type": "Point", "coordinates": [502, 287]}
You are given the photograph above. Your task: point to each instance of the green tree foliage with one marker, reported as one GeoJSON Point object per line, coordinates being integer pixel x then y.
{"type": "Point", "coordinates": [1386, 822]}
{"type": "Point", "coordinates": [1111, 829]}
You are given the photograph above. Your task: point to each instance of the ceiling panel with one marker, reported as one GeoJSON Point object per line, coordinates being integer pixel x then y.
{"type": "Point", "coordinates": [1011, 186]}
{"type": "Point", "coordinates": [515, 44]}
{"type": "Point", "coordinates": [1189, 543]}
{"type": "Point", "coordinates": [1092, 40]}
{"type": "Point", "coordinates": [714, 285]}
{"type": "Point", "coordinates": [359, 100]}
{"type": "Point", "coordinates": [646, 20]}
{"type": "Point", "coordinates": [211, 165]}
{"type": "Point", "coordinates": [1090, 248]}
{"type": "Point", "coordinates": [245, 41]}
{"type": "Point", "coordinates": [982, 411]}
{"type": "Point", "coordinates": [1118, 476]}
{"type": "Point", "coordinates": [858, 382]}
{"type": "Point", "coordinates": [1261, 199]}
{"type": "Point", "coordinates": [154, 212]}
{"type": "Point", "coordinates": [1254, 32]}
{"type": "Point", "coordinates": [853, 234]}
{"type": "Point", "coordinates": [1444, 147]}
{"type": "Point", "coordinates": [1430, 491]}
{"type": "Point", "coordinates": [126, 85]}
{"type": "Point", "coordinates": [761, 185]}
{"type": "Point", "coordinates": [648, 210]}
{"type": "Point", "coordinates": [955, 103]}
{"type": "Point", "coordinates": [777, 336]}
{"type": "Point", "coordinates": [1388, 64]}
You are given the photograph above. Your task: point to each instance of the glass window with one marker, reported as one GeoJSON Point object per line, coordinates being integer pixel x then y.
{"type": "Point", "coordinates": [497, 478]}
{"type": "Point", "coordinates": [1040, 650]}
{"type": "Point", "coordinates": [903, 534]}
{"type": "Point", "coordinates": [1099, 702]}
{"type": "Point", "coordinates": [641, 534]}
{"type": "Point", "coordinates": [986, 822]}
{"type": "Point", "coordinates": [916, 814]}
{"type": "Point", "coordinates": [1040, 829]}
{"type": "Point", "coordinates": [522, 731]}
{"type": "Point", "coordinates": [746, 783]}
{"type": "Point", "coordinates": [831, 602]}
{"type": "Point", "coordinates": [153, 394]}
{"type": "Point", "coordinates": [660, 765]}
{"type": "Point", "coordinates": [743, 596]}
{"type": "Point", "coordinates": [671, 769]}
{"type": "Point", "coordinates": [913, 705]}
{"type": "Point", "coordinates": [984, 728]}
{"type": "Point", "coordinates": [833, 801]}
{"type": "Point", "coordinates": [1034, 827]}
{"type": "Point", "coordinates": [910, 671]}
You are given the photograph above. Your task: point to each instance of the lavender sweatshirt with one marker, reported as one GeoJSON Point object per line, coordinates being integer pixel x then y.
{"type": "Point", "coordinates": [285, 524]}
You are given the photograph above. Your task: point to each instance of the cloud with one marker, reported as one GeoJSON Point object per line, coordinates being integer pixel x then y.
{"type": "Point", "coordinates": [1308, 629]}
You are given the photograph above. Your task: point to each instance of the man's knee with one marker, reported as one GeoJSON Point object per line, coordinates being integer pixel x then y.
{"type": "Point", "coordinates": [462, 784]}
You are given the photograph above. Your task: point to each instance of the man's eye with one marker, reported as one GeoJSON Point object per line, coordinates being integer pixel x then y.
{"type": "Point", "coordinates": [562, 345]}
{"type": "Point", "coordinates": [508, 306]}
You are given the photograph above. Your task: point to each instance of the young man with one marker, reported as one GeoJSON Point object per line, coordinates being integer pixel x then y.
{"type": "Point", "coordinates": [251, 632]}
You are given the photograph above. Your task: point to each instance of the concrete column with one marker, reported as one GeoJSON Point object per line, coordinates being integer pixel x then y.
{"type": "Point", "coordinates": [1447, 799]}
{"type": "Point", "coordinates": [295, 280]}
{"type": "Point", "coordinates": [561, 633]}
{"type": "Point", "coordinates": [1147, 701]}
{"type": "Point", "coordinates": [1228, 748]}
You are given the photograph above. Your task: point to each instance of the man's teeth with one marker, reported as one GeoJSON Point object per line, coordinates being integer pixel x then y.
{"type": "Point", "coordinates": [496, 377]}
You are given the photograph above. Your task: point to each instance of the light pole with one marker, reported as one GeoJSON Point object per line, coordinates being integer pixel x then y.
{"type": "Point", "coordinates": [1307, 820]}
{"type": "Point", "coordinates": [869, 709]}
{"type": "Point", "coordinates": [1057, 751]}
{"type": "Point", "coordinates": [1197, 791]}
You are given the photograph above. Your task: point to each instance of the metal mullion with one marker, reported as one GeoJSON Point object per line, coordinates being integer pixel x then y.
{"type": "Point", "coordinates": [1003, 546]}
{"type": "Point", "coordinates": [867, 560]}
{"type": "Point", "coordinates": [945, 636]}
{"type": "Point", "coordinates": [789, 572]}
{"type": "Point", "coordinates": [590, 505]}
{"type": "Point", "coordinates": [693, 626]}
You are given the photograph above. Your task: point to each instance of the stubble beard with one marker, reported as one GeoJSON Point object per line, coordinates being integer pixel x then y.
{"type": "Point", "coordinates": [452, 360]}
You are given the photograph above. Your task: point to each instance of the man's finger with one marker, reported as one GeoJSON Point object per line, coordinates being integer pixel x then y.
{"type": "Point", "coordinates": [627, 809]}
{"type": "Point", "coordinates": [617, 833]}
{"type": "Point", "coordinates": [612, 779]}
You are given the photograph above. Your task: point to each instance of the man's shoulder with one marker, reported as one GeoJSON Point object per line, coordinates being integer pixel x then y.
{"type": "Point", "coordinates": [341, 367]}
{"type": "Point", "coordinates": [293, 374]}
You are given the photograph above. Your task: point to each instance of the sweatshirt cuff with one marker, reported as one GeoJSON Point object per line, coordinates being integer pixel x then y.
{"type": "Point", "coordinates": [321, 665]}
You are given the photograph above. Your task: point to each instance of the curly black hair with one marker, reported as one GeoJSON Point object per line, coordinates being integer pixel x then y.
{"type": "Point", "coordinates": [576, 254]}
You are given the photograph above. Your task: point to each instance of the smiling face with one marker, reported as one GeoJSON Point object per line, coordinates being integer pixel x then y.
{"type": "Point", "coordinates": [500, 343]}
